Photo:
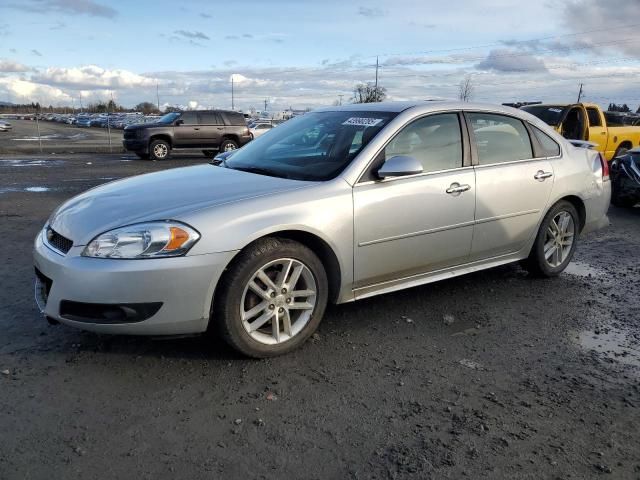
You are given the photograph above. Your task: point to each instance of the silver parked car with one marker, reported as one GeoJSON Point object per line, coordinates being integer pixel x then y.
{"type": "Point", "coordinates": [5, 126]}
{"type": "Point", "coordinates": [337, 205]}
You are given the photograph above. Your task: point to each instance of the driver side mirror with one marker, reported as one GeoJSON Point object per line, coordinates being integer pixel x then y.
{"type": "Point", "coordinates": [400, 166]}
{"type": "Point", "coordinates": [179, 122]}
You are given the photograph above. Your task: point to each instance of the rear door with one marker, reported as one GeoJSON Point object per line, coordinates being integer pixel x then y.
{"type": "Point", "coordinates": [597, 128]}
{"type": "Point", "coordinates": [512, 185]}
{"type": "Point", "coordinates": [211, 128]}
{"type": "Point", "coordinates": [186, 134]}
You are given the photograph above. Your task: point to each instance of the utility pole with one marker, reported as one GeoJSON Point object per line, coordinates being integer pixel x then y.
{"type": "Point", "coordinates": [340, 95]}
{"type": "Point", "coordinates": [158, 96]}
{"type": "Point", "coordinates": [377, 73]}
{"type": "Point", "coordinates": [232, 94]}
{"type": "Point", "coordinates": [113, 104]}
{"type": "Point", "coordinates": [81, 101]}
{"type": "Point", "coordinates": [580, 94]}
{"type": "Point", "coordinates": [265, 104]}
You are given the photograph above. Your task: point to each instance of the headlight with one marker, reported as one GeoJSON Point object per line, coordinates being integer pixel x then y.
{"type": "Point", "coordinates": [143, 240]}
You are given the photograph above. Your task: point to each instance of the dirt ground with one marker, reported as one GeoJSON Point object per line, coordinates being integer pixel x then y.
{"type": "Point", "coordinates": [490, 375]}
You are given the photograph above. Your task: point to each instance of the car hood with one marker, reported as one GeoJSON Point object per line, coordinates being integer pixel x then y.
{"type": "Point", "coordinates": [160, 196]}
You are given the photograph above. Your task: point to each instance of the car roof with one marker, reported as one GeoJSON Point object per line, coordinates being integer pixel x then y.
{"type": "Point", "coordinates": [422, 105]}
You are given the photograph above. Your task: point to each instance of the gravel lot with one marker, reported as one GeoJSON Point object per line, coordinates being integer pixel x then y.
{"type": "Point", "coordinates": [491, 375]}
{"type": "Point", "coordinates": [57, 137]}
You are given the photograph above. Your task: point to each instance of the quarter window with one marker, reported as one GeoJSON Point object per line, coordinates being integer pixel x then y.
{"type": "Point", "coordinates": [548, 146]}
{"type": "Point", "coordinates": [499, 138]}
{"type": "Point", "coordinates": [435, 141]}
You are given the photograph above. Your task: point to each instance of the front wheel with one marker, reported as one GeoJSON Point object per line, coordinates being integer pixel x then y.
{"type": "Point", "coordinates": [272, 298]}
{"type": "Point", "coordinates": [556, 241]}
{"type": "Point", "coordinates": [159, 150]}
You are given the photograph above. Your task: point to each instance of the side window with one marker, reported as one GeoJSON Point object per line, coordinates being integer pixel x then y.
{"type": "Point", "coordinates": [499, 138]}
{"type": "Point", "coordinates": [548, 145]}
{"type": "Point", "coordinates": [435, 141]}
{"type": "Point", "coordinates": [189, 118]}
{"type": "Point", "coordinates": [209, 118]}
{"type": "Point", "coordinates": [594, 117]}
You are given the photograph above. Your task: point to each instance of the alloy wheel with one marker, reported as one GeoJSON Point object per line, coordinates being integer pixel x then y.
{"type": "Point", "coordinates": [278, 301]}
{"type": "Point", "coordinates": [559, 239]}
{"type": "Point", "coordinates": [160, 150]}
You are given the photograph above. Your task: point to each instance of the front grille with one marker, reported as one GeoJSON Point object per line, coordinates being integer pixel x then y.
{"type": "Point", "coordinates": [57, 241]}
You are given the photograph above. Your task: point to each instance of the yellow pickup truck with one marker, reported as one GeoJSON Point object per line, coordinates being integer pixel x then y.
{"type": "Point", "coordinates": [587, 121]}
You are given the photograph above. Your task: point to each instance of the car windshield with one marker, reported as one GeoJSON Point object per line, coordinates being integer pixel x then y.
{"type": "Point", "coordinates": [168, 118]}
{"type": "Point", "coordinates": [316, 146]}
{"type": "Point", "coordinates": [549, 114]}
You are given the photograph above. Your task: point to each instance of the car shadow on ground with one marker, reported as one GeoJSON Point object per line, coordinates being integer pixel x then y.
{"type": "Point", "coordinates": [424, 306]}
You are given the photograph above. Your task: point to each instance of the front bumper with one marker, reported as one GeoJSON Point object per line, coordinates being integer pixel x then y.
{"type": "Point", "coordinates": [136, 145]}
{"type": "Point", "coordinates": [184, 286]}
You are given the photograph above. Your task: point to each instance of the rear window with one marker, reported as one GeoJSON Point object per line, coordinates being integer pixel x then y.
{"type": "Point", "coordinates": [499, 138]}
{"type": "Point", "coordinates": [210, 118]}
{"type": "Point", "coordinates": [549, 114]}
{"type": "Point", "coordinates": [594, 117]}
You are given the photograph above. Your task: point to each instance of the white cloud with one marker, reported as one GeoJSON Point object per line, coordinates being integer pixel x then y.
{"type": "Point", "coordinates": [9, 66]}
{"type": "Point", "coordinates": [92, 77]}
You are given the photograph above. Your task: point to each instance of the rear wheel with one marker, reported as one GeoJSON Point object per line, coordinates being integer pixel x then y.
{"type": "Point", "coordinates": [159, 150]}
{"type": "Point", "coordinates": [619, 200]}
{"type": "Point", "coordinates": [272, 298]}
{"type": "Point", "coordinates": [556, 241]}
{"type": "Point", "coordinates": [227, 145]}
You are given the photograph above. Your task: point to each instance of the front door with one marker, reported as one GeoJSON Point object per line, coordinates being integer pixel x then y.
{"type": "Point", "coordinates": [406, 226]}
{"type": "Point", "coordinates": [512, 187]}
{"type": "Point", "coordinates": [186, 132]}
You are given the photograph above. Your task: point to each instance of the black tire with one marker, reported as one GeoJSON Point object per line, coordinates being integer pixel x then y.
{"type": "Point", "coordinates": [620, 151]}
{"type": "Point", "coordinates": [209, 153]}
{"type": "Point", "coordinates": [618, 200]}
{"type": "Point", "coordinates": [143, 156]}
{"type": "Point", "coordinates": [537, 264]}
{"type": "Point", "coordinates": [227, 145]}
{"type": "Point", "coordinates": [226, 317]}
{"type": "Point", "coordinates": [156, 147]}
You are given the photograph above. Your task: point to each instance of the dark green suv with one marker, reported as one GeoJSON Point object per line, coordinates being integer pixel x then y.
{"type": "Point", "coordinates": [208, 130]}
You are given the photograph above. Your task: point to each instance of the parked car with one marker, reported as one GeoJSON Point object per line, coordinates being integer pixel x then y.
{"type": "Point", "coordinates": [5, 126]}
{"type": "Point", "coordinates": [334, 206]}
{"type": "Point", "coordinates": [209, 130]}
{"type": "Point", "coordinates": [625, 179]}
{"type": "Point", "coordinates": [258, 129]}
{"type": "Point", "coordinates": [586, 121]}
{"type": "Point", "coordinates": [83, 122]}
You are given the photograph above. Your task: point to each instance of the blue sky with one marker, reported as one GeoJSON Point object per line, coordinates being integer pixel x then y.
{"type": "Point", "coordinates": [304, 54]}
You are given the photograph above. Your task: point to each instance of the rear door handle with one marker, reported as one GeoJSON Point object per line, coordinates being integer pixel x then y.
{"type": "Point", "coordinates": [196, 128]}
{"type": "Point", "coordinates": [456, 189]}
{"type": "Point", "coordinates": [541, 176]}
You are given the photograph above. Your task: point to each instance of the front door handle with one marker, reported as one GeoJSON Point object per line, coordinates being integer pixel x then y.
{"type": "Point", "coordinates": [456, 189]}
{"type": "Point", "coordinates": [196, 128]}
{"type": "Point", "coordinates": [542, 176]}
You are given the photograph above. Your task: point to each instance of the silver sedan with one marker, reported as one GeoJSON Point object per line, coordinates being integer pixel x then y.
{"type": "Point", "coordinates": [337, 205]}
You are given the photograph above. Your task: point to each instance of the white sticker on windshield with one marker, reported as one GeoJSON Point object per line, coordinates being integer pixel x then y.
{"type": "Point", "coordinates": [364, 122]}
{"type": "Point", "coordinates": [556, 110]}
